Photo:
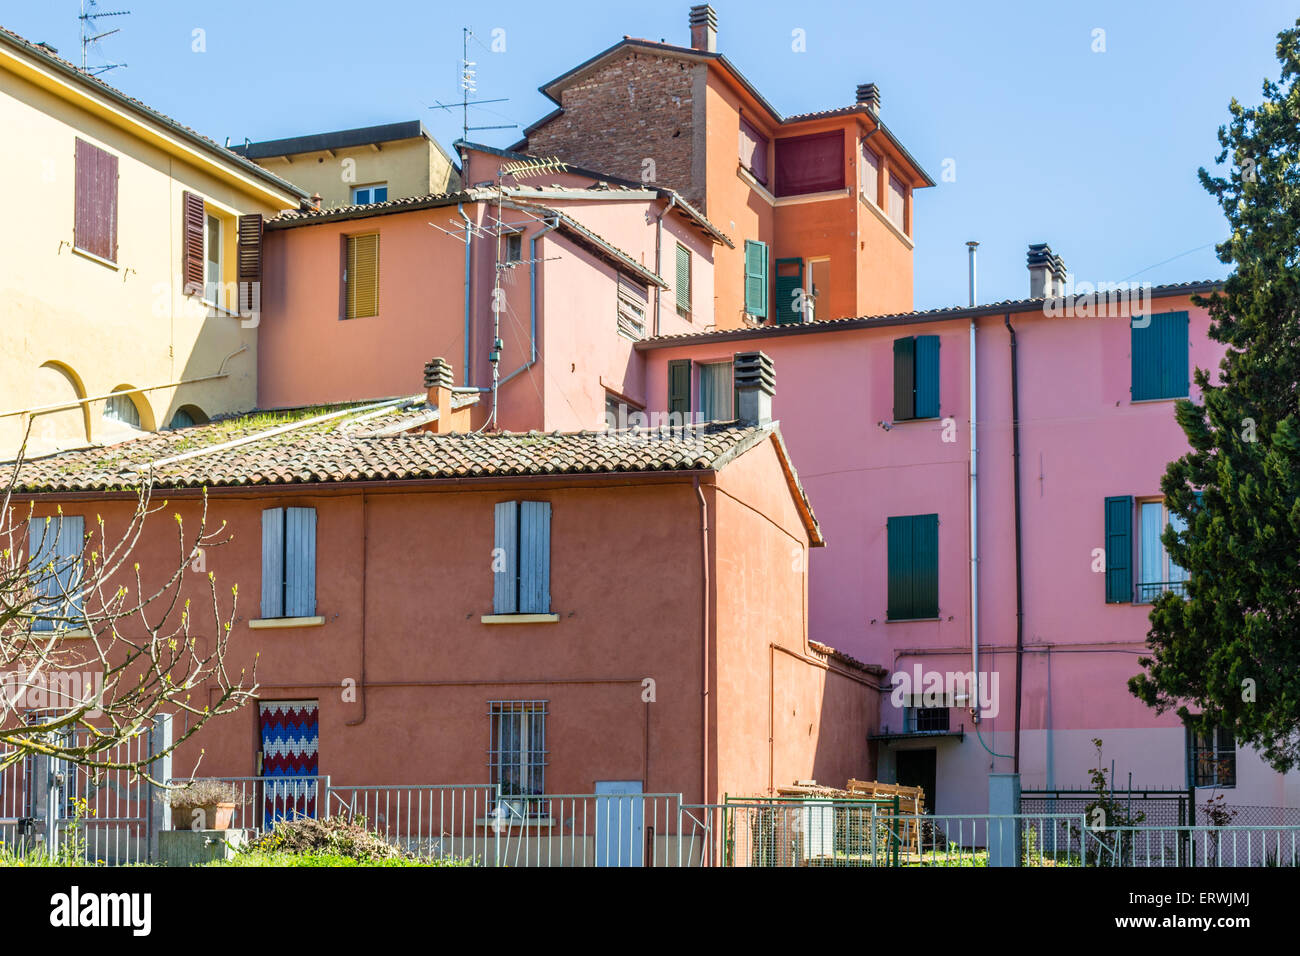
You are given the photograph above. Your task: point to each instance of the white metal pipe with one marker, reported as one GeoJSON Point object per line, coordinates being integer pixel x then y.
{"type": "Point", "coordinates": [974, 511]}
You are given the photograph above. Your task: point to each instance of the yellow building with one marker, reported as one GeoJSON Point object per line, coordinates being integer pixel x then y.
{"type": "Point", "coordinates": [366, 165]}
{"type": "Point", "coordinates": [125, 235]}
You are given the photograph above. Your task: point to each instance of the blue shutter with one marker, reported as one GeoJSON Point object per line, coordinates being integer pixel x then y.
{"type": "Point", "coordinates": [534, 557]}
{"type": "Point", "coordinates": [1173, 352]}
{"type": "Point", "coordinates": [1160, 357]}
{"type": "Point", "coordinates": [1119, 550]}
{"type": "Point", "coordinates": [505, 582]}
{"type": "Point", "coordinates": [925, 566]}
{"type": "Point", "coordinates": [273, 562]}
{"type": "Point", "coordinates": [904, 378]}
{"type": "Point", "coordinates": [927, 376]}
{"type": "Point", "coordinates": [756, 278]}
{"type": "Point", "coordinates": [48, 544]}
{"type": "Point", "coordinates": [72, 538]}
{"type": "Point", "coordinates": [300, 562]}
{"type": "Point", "coordinates": [899, 533]}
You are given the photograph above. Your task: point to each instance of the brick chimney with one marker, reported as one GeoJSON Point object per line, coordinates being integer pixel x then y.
{"type": "Point", "coordinates": [704, 28]}
{"type": "Point", "coordinates": [755, 382]}
{"type": "Point", "coordinates": [438, 379]}
{"type": "Point", "coordinates": [1046, 272]}
{"type": "Point", "coordinates": [868, 95]}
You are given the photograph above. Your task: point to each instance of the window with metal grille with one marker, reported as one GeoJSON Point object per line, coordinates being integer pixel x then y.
{"type": "Point", "coordinates": [361, 276]}
{"type": "Point", "coordinates": [925, 719]}
{"type": "Point", "coordinates": [1212, 758]}
{"type": "Point", "coordinates": [517, 755]}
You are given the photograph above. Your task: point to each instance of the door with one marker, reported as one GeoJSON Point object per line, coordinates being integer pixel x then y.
{"type": "Point", "coordinates": [917, 768]}
{"type": "Point", "coordinates": [620, 823]}
{"type": "Point", "coordinates": [290, 762]}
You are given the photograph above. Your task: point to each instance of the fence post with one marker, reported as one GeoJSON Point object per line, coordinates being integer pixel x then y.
{"type": "Point", "coordinates": [160, 769]}
{"type": "Point", "coordinates": [1004, 808]}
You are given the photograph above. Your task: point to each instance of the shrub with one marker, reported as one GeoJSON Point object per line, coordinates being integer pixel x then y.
{"type": "Point", "coordinates": [336, 836]}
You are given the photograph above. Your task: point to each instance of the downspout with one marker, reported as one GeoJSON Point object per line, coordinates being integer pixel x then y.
{"type": "Point", "coordinates": [704, 644]}
{"type": "Point", "coordinates": [1015, 464]}
{"type": "Point", "coordinates": [974, 513]}
{"type": "Point", "coordinates": [659, 233]}
{"type": "Point", "coordinates": [460, 208]}
{"type": "Point", "coordinates": [532, 299]}
{"type": "Point", "coordinates": [361, 684]}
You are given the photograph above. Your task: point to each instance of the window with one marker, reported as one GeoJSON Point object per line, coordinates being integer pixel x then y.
{"type": "Point", "coordinates": [869, 175]}
{"type": "Point", "coordinates": [212, 260]}
{"type": "Point", "coordinates": [916, 377]}
{"type": "Point", "coordinates": [121, 408]}
{"type": "Point", "coordinates": [716, 392]}
{"type": "Point", "coordinates": [1156, 572]}
{"type": "Point", "coordinates": [810, 164]}
{"type": "Point", "coordinates": [913, 567]}
{"type": "Point", "coordinates": [683, 281]}
{"type": "Point", "coordinates": [186, 416]}
{"type": "Point", "coordinates": [288, 562]}
{"type": "Point", "coordinates": [621, 414]}
{"type": "Point", "coordinates": [756, 278]}
{"type": "Point", "coordinates": [819, 289]}
{"type": "Point", "coordinates": [521, 559]}
{"type": "Point", "coordinates": [920, 720]}
{"type": "Point", "coordinates": [789, 292]}
{"type": "Point", "coordinates": [897, 202]}
{"type": "Point", "coordinates": [1159, 355]}
{"type": "Point", "coordinates": [679, 390]}
{"type": "Point", "coordinates": [364, 195]}
{"type": "Point", "coordinates": [55, 546]}
{"type": "Point", "coordinates": [361, 276]}
{"type": "Point", "coordinates": [517, 755]}
{"type": "Point", "coordinates": [95, 201]}
{"type": "Point", "coordinates": [1212, 758]}
{"type": "Point", "coordinates": [633, 303]}
{"type": "Point", "coordinates": [514, 247]}
{"type": "Point", "coordinates": [753, 151]}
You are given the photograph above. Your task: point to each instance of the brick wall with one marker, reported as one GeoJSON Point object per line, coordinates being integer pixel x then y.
{"type": "Point", "coordinates": [637, 107]}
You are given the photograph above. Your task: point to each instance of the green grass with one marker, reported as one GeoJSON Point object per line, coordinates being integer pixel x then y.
{"type": "Point", "coordinates": [281, 858]}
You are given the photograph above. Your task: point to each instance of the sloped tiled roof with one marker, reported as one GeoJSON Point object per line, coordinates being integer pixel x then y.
{"type": "Point", "coordinates": [304, 217]}
{"type": "Point", "coordinates": [94, 83]}
{"type": "Point", "coordinates": [897, 318]}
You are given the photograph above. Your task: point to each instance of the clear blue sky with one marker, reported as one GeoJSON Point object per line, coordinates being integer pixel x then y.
{"type": "Point", "coordinates": [1093, 152]}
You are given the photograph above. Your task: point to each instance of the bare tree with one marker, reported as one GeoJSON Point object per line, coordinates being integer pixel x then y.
{"type": "Point", "coordinates": [100, 651]}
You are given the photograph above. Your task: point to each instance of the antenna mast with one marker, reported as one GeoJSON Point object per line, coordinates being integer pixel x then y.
{"type": "Point", "coordinates": [468, 85]}
{"type": "Point", "coordinates": [88, 19]}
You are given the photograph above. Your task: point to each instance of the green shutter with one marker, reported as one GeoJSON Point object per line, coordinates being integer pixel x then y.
{"type": "Point", "coordinates": [756, 278]}
{"type": "Point", "coordinates": [904, 379]}
{"type": "Point", "coordinates": [679, 388]}
{"type": "Point", "coordinates": [789, 280]}
{"type": "Point", "coordinates": [1160, 357]}
{"type": "Point", "coordinates": [913, 567]}
{"type": "Point", "coordinates": [1119, 549]}
{"type": "Point", "coordinates": [683, 279]}
{"type": "Point", "coordinates": [927, 376]}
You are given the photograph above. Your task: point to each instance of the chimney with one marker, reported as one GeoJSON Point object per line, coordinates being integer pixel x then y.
{"type": "Point", "coordinates": [704, 28]}
{"type": "Point", "coordinates": [755, 382]}
{"type": "Point", "coordinates": [1046, 272]}
{"type": "Point", "coordinates": [438, 379]}
{"type": "Point", "coordinates": [315, 200]}
{"type": "Point", "coordinates": [869, 96]}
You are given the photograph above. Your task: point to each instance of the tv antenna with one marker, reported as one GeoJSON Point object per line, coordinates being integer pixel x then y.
{"type": "Point", "coordinates": [468, 85]}
{"type": "Point", "coordinates": [89, 25]}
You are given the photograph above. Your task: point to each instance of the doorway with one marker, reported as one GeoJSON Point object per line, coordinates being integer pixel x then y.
{"type": "Point", "coordinates": [918, 768]}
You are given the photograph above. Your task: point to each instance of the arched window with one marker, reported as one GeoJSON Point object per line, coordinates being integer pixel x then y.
{"type": "Point", "coordinates": [188, 415]}
{"type": "Point", "coordinates": [121, 408]}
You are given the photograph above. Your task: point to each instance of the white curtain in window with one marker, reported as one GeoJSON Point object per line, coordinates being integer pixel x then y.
{"type": "Point", "coordinates": [1175, 572]}
{"type": "Point", "coordinates": [1151, 553]}
{"type": "Point", "coordinates": [715, 392]}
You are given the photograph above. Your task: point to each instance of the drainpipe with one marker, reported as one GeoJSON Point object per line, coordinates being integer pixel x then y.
{"type": "Point", "coordinates": [460, 208]}
{"type": "Point", "coordinates": [361, 684]}
{"type": "Point", "coordinates": [974, 512]}
{"type": "Point", "coordinates": [704, 644]}
{"type": "Point", "coordinates": [659, 232]}
{"type": "Point", "coordinates": [532, 299]}
{"type": "Point", "coordinates": [1015, 464]}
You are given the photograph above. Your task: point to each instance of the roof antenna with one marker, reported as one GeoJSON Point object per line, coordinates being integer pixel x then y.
{"type": "Point", "coordinates": [468, 85]}
{"type": "Point", "coordinates": [89, 37]}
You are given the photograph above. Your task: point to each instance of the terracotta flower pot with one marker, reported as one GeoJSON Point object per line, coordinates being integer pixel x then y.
{"type": "Point", "coordinates": [216, 816]}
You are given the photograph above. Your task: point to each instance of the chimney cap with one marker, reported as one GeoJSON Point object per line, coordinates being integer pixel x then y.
{"type": "Point", "coordinates": [438, 374]}
{"type": "Point", "coordinates": [868, 94]}
{"type": "Point", "coordinates": [703, 14]}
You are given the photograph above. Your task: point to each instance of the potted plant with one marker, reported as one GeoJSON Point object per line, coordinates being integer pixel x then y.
{"type": "Point", "coordinates": [202, 804]}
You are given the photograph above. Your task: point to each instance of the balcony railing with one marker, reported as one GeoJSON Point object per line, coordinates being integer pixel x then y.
{"type": "Point", "coordinates": [1148, 591]}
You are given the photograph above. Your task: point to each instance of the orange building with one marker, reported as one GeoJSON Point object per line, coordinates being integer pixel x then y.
{"type": "Point", "coordinates": [819, 204]}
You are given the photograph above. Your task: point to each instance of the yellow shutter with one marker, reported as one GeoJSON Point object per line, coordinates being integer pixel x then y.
{"type": "Point", "coordinates": [363, 276]}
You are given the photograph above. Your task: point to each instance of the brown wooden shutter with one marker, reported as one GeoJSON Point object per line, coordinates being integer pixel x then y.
{"type": "Point", "coordinates": [363, 276]}
{"type": "Point", "coordinates": [95, 203]}
{"type": "Point", "coordinates": [192, 247]}
{"type": "Point", "coordinates": [250, 261]}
